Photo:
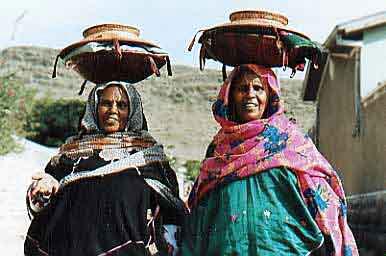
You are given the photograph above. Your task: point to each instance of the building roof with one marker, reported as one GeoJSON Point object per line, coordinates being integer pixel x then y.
{"type": "Point", "coordinates": [353, 29]}
{"type": "Point", "coordinates": [342, 39]}
{"type": "Point", "coordinates": [375, 94]}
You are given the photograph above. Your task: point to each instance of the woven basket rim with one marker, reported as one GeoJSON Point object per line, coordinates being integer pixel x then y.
{"type": "Point", "coordinates": [133, 41]}
{"type": "Point", "coordinates": [110, 27]}
{"type": "Point", "coordinates": [238, 27]}
{"type": "Point", "coordinates": [258, 14]}
{"type": "Point", "coordinates": [126, 52]}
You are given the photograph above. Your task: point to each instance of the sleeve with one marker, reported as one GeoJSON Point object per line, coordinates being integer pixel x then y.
{"type": "Point", "coordinates": [171, 177]}
{"type": "Point", "coordinates": [60, 168]}
{"type": "Point", "coordinates": [171, 216]}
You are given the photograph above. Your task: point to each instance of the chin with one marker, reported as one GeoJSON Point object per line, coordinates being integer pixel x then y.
{"type": "Point", "coordinates": [251, 117]}
{"type": "Point", "coordinates": [111, 129]}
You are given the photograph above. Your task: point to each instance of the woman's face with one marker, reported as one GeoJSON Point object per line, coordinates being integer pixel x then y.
{"type": "Point", "coordinates": [248, 97]}
{"type": "Point", "coordinates": [113, 109]}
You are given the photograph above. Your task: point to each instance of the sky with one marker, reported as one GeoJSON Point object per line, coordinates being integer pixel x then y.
{"type": "Point", "coordinates": [170, 23]}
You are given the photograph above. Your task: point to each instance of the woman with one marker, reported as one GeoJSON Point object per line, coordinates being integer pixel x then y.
{"type": "Point", "coordinates": [110, 189]}
{"type": "Point", "coordinates": [263, 188]}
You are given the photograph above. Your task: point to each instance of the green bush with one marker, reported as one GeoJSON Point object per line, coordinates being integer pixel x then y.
{"type": "Point", "coordinates": [50, 121]}
{"type": "Point", "coordinates": [192, 169]}
{"type": "Point", "coordinates": [15, 101]}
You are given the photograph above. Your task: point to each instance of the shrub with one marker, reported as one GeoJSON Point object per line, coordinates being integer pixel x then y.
{"type": "Point", "coordinates": [192, 169]}
{"type": "Point", "coordinates": [15, 101]}
{"type": "Point", "coordinates": [50, 121]}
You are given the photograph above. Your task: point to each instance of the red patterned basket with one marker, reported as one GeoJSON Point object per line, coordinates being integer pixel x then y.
{"type": "Point", "coordinates": [256, 37]}
{"type": "Point", "coordinates": [117, 63]}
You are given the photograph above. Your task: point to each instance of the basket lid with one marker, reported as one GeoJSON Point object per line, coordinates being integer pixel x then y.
{"type": "Point", "coordinates": [109, 33]}
{"type": "Point", "coordinates": [258, 18]}
{"type": "Point", "coordinates": [252, 19]}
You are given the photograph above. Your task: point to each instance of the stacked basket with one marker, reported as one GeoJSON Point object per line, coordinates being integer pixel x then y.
{"type": "Point", "coordinates": [113, 52]}
{"type": "Point", "coordinates": [256, 37]}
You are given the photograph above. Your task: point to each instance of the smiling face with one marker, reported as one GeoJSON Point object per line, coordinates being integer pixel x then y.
{"type": "Point", "coordinates": [248, 97]}
{"type": "Point", "coordinates": [113, 109]}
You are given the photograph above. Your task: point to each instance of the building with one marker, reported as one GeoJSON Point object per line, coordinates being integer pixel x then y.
{"type": "Point", "coordinates": [349, 88]}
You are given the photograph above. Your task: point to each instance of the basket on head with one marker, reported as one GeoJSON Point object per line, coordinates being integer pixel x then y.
{"type": "Point", "coordinates": [113, 52]}
{"type": "Point", "coordinates": [256, 37]}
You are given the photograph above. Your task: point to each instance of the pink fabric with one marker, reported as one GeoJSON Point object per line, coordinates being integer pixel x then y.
{"type": "Point", "coordinates": [242, 150]}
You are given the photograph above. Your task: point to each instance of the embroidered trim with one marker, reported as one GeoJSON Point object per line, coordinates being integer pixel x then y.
{"type": "Point", "coordinates": [142, 158]}
{"type": "Point", "coordinates": [120, 247]}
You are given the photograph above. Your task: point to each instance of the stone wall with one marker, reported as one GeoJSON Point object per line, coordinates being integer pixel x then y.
{"type": "Point", "coordinates": [367, 219]}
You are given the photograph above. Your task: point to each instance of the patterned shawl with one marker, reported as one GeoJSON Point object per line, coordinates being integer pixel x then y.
{"type": "Point", "coordinates": [126, 151]}
{"type": "Point", "coordinates": [134, 147]}
{"type": "Point", "coordinates": [242, 150]}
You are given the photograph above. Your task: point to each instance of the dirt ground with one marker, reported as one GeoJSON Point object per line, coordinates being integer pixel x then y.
{"type": "Point", "coordinates": [16, 170]}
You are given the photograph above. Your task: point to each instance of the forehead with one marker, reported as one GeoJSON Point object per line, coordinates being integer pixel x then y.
{"type": "Point", "coordinates": [114, 92]}
{"type": "Point", "coordinates": [246, 77]}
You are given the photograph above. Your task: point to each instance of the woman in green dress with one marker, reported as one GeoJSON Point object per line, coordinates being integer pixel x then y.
{"type": "Point", "coordinates": [263, 188]}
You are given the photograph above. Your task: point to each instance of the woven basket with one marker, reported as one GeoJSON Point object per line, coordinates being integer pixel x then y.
{"type": "Point", "coordinates": [256, 37]}
{"type": "Point", "coordinates": [105, 66]}
{"type": "Point", "coordinates": [115, 63]}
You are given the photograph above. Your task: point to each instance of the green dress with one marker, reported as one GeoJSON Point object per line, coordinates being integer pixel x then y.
{"type": "Point", "coordinates": [260, 215]}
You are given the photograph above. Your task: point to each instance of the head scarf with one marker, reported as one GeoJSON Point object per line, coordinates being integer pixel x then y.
{"type": "Point", "coordinates": [135, 121]}
{"type": "Point", "coordinates": [221, 108]}
{"type": "Point", "coordinates": [126, 151]}
{"type": "Point", "coordinates": [111, 146]}
{"type": "Point", "coordinates": [242, 150]}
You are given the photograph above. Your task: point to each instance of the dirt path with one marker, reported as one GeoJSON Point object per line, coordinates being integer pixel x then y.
{"type": "Point", "coordinates": [16, 170]}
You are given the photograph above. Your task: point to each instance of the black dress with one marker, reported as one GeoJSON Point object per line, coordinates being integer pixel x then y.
{"type": "Point", "coordinates": [105, 215]}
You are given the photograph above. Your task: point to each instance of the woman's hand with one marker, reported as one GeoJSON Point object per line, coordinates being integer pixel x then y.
{"type": "Point", "coordinates": [43, 184]}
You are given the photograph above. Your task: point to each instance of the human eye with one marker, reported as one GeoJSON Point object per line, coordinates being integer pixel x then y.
{"type": "Point", "coordinates": [106, 103]}
{"type": "Point", "coordinates": [122, 105]}
{"type": "Point", "coordinates": [258, 87]}
{"type": "Point", "coordinates": [243, 88]}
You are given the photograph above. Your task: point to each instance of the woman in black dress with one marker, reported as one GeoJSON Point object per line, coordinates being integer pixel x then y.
{"type": "Point", "coordinates": [110, 190]}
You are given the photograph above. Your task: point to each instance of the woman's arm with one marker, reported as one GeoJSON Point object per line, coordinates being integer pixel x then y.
{"type": "Point", "coordinates": [172, 220]}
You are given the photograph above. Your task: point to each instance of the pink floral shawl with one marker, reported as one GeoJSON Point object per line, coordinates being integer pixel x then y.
{"type": "Point", "coordinates": [242, 150]}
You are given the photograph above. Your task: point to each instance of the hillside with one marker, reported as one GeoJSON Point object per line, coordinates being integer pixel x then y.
{"type": "Point", "coordinates": [178, 108]}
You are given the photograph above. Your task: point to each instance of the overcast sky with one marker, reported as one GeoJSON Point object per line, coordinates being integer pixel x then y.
{"type": "Point", "coordinates": [171, 24]}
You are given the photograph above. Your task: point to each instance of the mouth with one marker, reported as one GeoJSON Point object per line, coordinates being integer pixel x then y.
{"type": "Point", "coordinates": [250, 105]}
{"type": "Point", "coordinates": [112, 119]}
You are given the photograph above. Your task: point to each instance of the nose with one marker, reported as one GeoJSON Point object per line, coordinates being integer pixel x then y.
{"type": "Point", "coordinates": [114, 108]}
{"type": "Point", "coordinates": [251, 92]}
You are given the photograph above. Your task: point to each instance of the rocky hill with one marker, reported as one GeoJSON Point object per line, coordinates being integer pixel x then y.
{"type": "Point", "coordinates": [178, 108]}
